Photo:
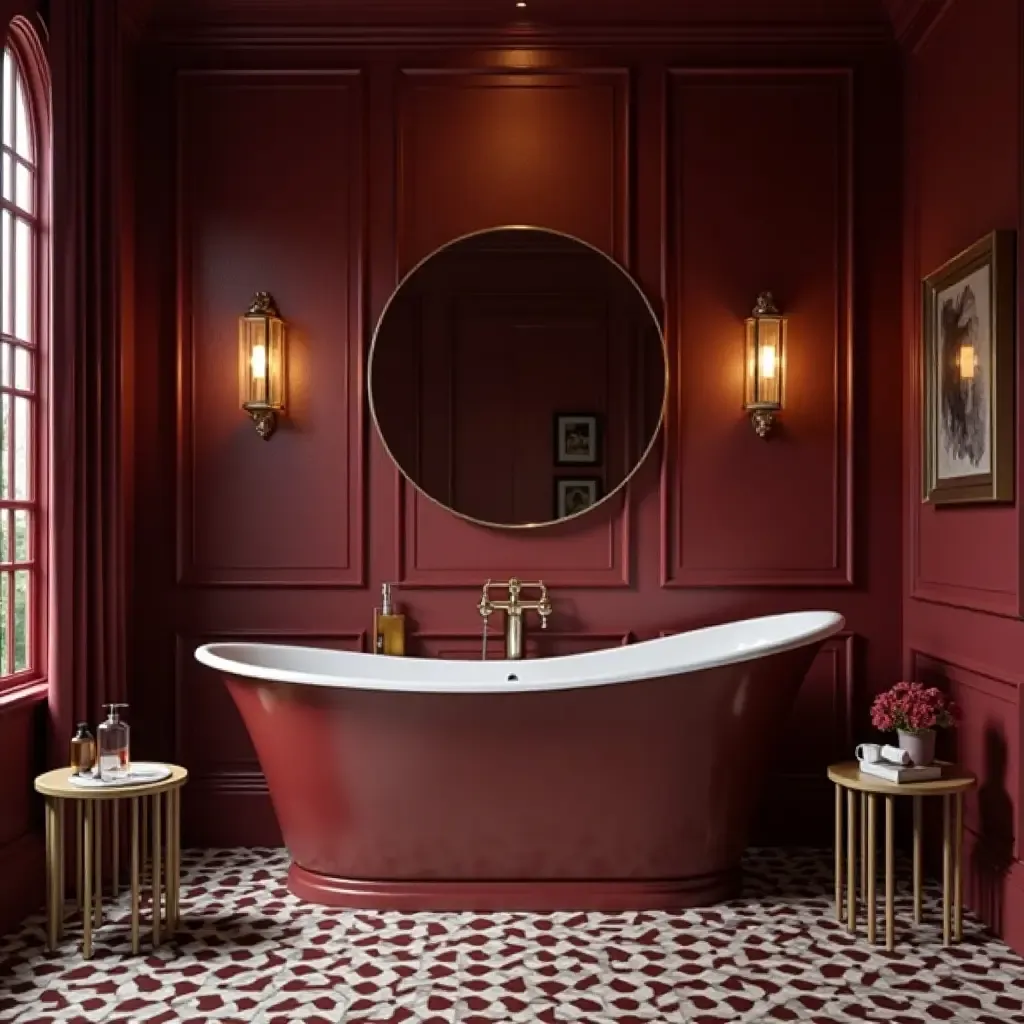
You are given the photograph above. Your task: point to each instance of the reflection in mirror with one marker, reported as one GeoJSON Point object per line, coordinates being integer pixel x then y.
{"type": "Point", "coordinates": [518, 376]}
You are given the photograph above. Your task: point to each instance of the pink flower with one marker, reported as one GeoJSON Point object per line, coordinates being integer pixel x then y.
{"type": "Point", "coordinates": [913, 707]}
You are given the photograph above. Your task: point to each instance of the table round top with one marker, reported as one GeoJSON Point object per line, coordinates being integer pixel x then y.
{"type": "Point", "coordinates": [954, 780]}
{"type": "Point", "coordinates": [58, 783]}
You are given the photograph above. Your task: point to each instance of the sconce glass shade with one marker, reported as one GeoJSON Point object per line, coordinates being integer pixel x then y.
{"type": "Point", "coordinates": [765, 363]}
{"type": "Point", "coordinates": [261, 363]}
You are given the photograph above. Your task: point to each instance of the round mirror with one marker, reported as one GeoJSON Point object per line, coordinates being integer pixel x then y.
{"type": "Point", "coordinates": [518, 377]}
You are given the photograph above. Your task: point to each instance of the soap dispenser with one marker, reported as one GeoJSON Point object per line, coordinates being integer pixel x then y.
{"type": "Point", "coordinates": [388, 626]}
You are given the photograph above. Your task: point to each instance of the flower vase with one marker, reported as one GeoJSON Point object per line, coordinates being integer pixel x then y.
{"type": "Point", "coordinates": [920, 745]}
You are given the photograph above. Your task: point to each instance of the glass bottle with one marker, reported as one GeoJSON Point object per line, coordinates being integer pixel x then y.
{"type": "Point", "coordinates": [83, 750]}
{"type": "Point", "coordinates": [112, 744]}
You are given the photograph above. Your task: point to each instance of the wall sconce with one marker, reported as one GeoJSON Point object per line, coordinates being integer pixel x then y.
{"type": "Point", "coordinates": [261, 363]}
{"type": "Point", "coordinates": [765, 362]}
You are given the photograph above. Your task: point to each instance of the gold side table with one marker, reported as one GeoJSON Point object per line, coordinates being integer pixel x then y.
{"type": "Point", "coordinates": [158, 805]}
{"type": "Point", "coordinates": [951, 788]}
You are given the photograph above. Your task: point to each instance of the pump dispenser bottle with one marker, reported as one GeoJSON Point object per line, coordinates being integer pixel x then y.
{"type": "Point", "coordinates": [388, 626]}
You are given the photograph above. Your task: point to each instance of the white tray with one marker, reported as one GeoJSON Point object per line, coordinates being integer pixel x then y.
{"type": "Point", "coordinates": [141, 773]}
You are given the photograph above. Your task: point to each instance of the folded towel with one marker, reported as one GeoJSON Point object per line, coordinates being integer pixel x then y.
{"type": "Point", "coordinates": [894, 755]}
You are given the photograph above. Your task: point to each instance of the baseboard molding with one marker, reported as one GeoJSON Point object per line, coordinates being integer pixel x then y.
{"type": "Point", "coordinates": [218, 814]}
{"type": "Point", "coordinates": [994, 889]}
{"type": "Point", "coordinates": [225, 811]}
{"type": "Point", "coordinates": [22, 889]}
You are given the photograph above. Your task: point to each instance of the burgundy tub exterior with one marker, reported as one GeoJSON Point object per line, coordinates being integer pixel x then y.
{"type": "Point", "coordinates": [630, 795]}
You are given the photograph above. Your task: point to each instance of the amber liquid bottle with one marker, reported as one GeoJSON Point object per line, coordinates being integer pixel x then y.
{"type": "Point", "coordinates": [388, 626]}
{"type": "Point", "coordinates": [83, 750]}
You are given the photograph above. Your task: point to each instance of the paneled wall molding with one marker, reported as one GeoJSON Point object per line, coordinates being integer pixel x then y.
{"type": "Point", "coordinates": [200, 692]}
{"type": "Point", "coordinates": [774, 552]}
{"type": "Point", "coordinates": [1007, 602]}
{"type": "Point", "coordinates": [282, 534]}
{"type": "Point", "coordinates": [990, 740]}
{"type": "Point", "coordinates": [467, 24]}
{"type": "Point", "coordinates": [822, 729]}
{"type": "Point", "coordinates": [993, 602]}
{"type": "Point", "coordinates": [232, 531]}
{"type": "Point", "coordinates": [1000, 677]}
{"type": "Point", "coordinates": [243, 782]}
{"type": "Point", "coordinates": [466, 644]}
{"type": "Point", "coordinates": [445, 147]}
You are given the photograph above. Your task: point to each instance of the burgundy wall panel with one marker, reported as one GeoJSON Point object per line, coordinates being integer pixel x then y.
{"type": "Point", "coordinates": [820, 731]}
{"type": "Point", "coordinates": [282, 540]}
{"type": "Point", "coordinates": [472, 148]}
{"type": "Point", "coordinates": [540, 644]}
{"type": "Point", "coordinates": [228, 799]}
{"type": "Point", "coordinates": [784, 227]}
{"type": "Point", "coordinates": [963, 594]}
{"type": "Point", "coordinates": [967, 557]}
{"type": "Point", "coordinates": [21, 847]}
{"type": "Point", "coordinates": [247, 207]}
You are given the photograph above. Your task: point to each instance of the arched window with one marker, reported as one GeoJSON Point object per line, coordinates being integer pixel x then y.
{"type": "Point", "coordinates": [24, 261]}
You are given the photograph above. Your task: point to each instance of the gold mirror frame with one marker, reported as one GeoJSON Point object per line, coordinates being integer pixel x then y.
{"type": "Point", "coordinates": [654, 433]}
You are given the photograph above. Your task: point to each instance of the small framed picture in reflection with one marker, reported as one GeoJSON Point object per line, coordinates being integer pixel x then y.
{"type": "Point", "coordinates": [575, 494]}
{"type": "Point", "coordinates": [577, 439]}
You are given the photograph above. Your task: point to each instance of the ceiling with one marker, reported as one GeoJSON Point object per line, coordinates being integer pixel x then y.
{"type": "Point", "coordinates": [748, 14]}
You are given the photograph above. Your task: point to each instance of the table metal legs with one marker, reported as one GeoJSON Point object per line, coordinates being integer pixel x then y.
{"type": "Point", "coordinates": [851, 860]}
{"type": "Point", "coordinates": [952, 868]}
{"type": "Point", "coordinates": [867, 842]}
{"type": "Point", "coordinates": [871, 867]}
{"type": "Point", "coordinates": [164, 875]}
{"type": "Point", "coordinates": [839, 853]}
{"type": "Point", "coordinates": [54, 872]}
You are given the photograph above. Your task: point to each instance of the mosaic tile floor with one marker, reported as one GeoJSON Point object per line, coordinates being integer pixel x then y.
{"type": "Point", "coordinates": [248, 951]}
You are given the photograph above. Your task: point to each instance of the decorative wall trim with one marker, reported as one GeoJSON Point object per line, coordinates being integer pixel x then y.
{"type": "Point", "coordinates": [992, 684]}
{"type": "Point", "coordinates": [523, 553]}
{"type": "Point", "coordinates": [840, 571]}
{"type": "Point", "coordinates": [993, 602]}
{"type": "Point", "coordinates": [458, 643]}
{"type": "Point", "coordinates": [185, 645]}
{"type": "Point", "coordinates": [396, 23]}
{"type": "Point", "coordinates": [352, 572]}
{"type": "Point", "coordinates": [1003, 603]}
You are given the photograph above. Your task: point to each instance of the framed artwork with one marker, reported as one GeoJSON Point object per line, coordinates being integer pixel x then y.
{"type": "Point", "coordinates": [574, 494]}
{"type": "Point", "coordinates": [577, 439]}
{"type": "Point", "coordinates": [967, 375]}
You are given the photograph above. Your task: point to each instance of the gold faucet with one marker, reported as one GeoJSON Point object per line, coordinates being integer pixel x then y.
{"type": "Point", "coordinates": [513, 607]}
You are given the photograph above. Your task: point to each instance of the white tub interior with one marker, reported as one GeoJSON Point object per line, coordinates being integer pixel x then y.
{"type": "Point", "coordinates": [684, 652]}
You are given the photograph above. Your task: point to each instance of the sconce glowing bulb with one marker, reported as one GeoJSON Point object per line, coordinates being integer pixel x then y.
{"type": "Point", "coordinates": [258, 362]}
{"type": "Point", "coordinates": [765, 363]}
{"type": "Point", "coordinates": [261, 363]}
{"type": "Point", "coordinates": [967, 362]}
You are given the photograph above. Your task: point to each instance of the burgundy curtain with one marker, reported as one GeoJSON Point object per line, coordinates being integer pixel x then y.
{"type": "Point", "coordinates": [88, 554]}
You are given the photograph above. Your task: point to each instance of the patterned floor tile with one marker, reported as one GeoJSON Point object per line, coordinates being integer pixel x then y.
{"type": "Point", "coordinates": [248, 951]}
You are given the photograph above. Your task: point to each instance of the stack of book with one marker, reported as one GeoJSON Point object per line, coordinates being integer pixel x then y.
{"type": "Point", "coordinates": [901, 772]}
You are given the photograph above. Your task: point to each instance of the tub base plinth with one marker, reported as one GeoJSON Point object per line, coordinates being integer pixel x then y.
{"type": "Point", "coordinates": [540, 895]}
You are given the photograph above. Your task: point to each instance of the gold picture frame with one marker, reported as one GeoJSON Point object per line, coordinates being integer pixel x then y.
{"type": "Point", "coordinates": [967, 372]}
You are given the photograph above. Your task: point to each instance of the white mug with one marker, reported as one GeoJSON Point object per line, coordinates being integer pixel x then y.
{"type": "Point", "coordinates": [869, 752]}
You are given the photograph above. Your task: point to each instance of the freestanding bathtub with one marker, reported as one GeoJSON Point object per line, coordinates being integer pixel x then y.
{"type": "Point", "coordinates": [615, 779]}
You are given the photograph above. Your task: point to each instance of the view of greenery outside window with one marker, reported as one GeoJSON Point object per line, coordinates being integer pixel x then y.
{"type": "Point", "coordinates": [19, 319]}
